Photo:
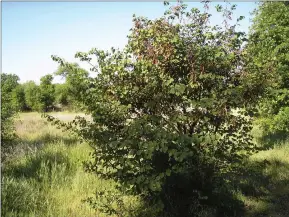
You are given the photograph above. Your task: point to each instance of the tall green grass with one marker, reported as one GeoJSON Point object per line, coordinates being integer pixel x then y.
{"type": "Point", "coordinates": [45, 177]}
{"type": "Point", "coordinates": [264, 185]}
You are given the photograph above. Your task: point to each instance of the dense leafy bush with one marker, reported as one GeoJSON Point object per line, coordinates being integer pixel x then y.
{"type": "Point", "coordinates": [269, 47]}
{"type": "Point", "coordinates": [162, 109]}
{"type": "Point", "coordinates": [9, 83]}
{"type": "Point", "coordinates": [275, 127]}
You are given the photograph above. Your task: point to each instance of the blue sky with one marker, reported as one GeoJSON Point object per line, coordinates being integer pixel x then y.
{"type": "Point", "coordinates": [33, 31]}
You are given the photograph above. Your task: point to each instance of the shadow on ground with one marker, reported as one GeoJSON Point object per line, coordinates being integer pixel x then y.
{"type": "Point", "coordinates": [44, 163]}
{"type": "Point", "coordinates": [24, 146]}
{"type": "Point", "coordinates": [265, 185]}
{"type": "Point", "coordinates": [50, 138]}
{"type": "Point", "coordinates": [271, 140]}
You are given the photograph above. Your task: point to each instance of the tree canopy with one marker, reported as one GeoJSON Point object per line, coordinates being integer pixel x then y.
{"type": "Point", "coordinates": [47, 92]}
{"type": "Point", "coordinates": [269, 47]}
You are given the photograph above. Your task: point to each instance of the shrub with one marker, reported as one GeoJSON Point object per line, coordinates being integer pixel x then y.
{"type": "Point", "coordinates": [162, 122]}
{"type": "Point", "coordinates": [274, 128]}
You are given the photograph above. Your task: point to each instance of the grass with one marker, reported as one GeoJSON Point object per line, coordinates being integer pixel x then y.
{"type": "Point", "coordinates": [45, 176]}
{"type": "Point", "coordinates": [265, 186]}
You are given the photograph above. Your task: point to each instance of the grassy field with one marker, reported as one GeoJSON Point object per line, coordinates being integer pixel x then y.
{"type": "Point", "coordinates": [264, 183]}
{"type": "Point", "coordinates": [45, 177]}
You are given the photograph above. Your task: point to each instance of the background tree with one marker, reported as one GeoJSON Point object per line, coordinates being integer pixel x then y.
{"type": "Point", "coordinates": [32, 95]}
{"type": "Point", "coordinates": [69, 90]}
{"type": "Point", "coordinates": [61, 94]}
{"type": "Point", "coordinates": [8, 110]}
{"type": "Point", "coordinates": [47, 92]}
{"type": "Point", "coordinates": [269, 45]}
{"type": "Point", "coordinates": [18, 98]}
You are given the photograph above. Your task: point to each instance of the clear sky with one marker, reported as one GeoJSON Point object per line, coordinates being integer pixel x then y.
{"type": "Point", "coordinates": [33, 31]}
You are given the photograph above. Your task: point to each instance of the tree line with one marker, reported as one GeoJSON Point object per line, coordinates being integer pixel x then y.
{"type": "Point", "coordinates": [29, 96]}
